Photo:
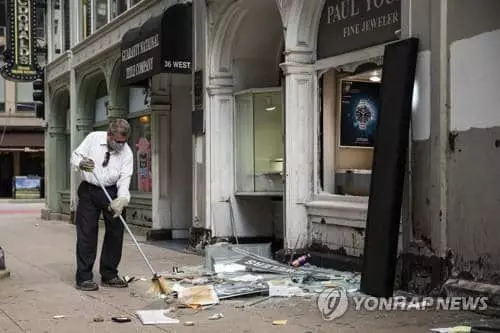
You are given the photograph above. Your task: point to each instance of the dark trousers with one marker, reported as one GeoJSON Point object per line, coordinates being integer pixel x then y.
{"type": "Point", "coordinates": [91, 202]}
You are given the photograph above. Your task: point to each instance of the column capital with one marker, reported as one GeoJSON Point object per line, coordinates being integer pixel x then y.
{"type": "Point", "coordinates": [55, 130]}
{"type": "Point", "coordinates": [220, 84]}
{"type": "Point", "coordinates": [299, 55]}
{"type": "Point", "coordinates": [296, 68]}
{"type": "Point", "coordinates": [160, 108]}
{"type": "Point", "coordinates": [115, 112]}
{"type": "Point", "coordinates": [84, 124]}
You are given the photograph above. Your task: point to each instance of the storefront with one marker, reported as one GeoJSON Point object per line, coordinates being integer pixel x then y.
{"type": "Point", "coordinates": [145, 77]}
{"type": "Point", "coordinates": [293, 163]}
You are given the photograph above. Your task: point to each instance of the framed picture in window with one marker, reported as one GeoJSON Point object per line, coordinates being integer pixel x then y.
{"type": "Point", "coordinates": [359, 112]}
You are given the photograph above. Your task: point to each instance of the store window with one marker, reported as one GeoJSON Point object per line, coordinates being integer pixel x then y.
{"type": "Point", "coordinates": [259, 141]}
{"type": "Point", "coordinates": [352, 101]}
{"type": "Point", "coordinates": [140, 143]}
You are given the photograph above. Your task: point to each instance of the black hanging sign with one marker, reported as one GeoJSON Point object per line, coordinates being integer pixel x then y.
{"type": "Point", "coordinates": [20, 52]}
{"type": "Point", "coordinates": [163, 44]}
{"type": "Point", "coordinates": [348, 25]}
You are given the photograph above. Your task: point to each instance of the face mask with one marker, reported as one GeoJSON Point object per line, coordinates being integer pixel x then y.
{"type": "Point", "coordinates": [116, 146]}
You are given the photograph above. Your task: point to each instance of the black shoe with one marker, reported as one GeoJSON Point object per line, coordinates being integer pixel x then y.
{"type": "Point", "coordinates": [88, 285]}
{"type": "Point", "coordinates": [115, 282]}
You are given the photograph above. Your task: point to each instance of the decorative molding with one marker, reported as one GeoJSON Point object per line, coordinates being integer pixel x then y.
{"type": "Point", "coordinates": [297, 68]}
{"type": "Point", "coordinates": [215, 10]}
{"type": "Point", "coordinates": [59, 84]}
{"type": "Point", "coordinates": [58, 67]}
{"type": "Point", "coordinates": [302, 28]}
{"type": "Point", "coordinates": [221, 46]}
{"type": "Point", "coordinates": [284, 6]}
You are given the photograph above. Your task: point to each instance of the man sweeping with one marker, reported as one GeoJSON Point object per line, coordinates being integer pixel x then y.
{"type": "Point", "coordinates": [111, 159]}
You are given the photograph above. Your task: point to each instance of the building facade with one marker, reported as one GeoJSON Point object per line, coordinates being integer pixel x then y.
{"type": "Point", "coordinates": [22, 133]}
{"type": "Point", "coordinates": [301, 174]}
{"type": "Point", "coordinates": [108, 63]}
{"type": "Point", "coordinates": [258, 142]}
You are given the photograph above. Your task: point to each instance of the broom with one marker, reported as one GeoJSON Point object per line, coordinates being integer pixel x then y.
{"type": "Point", "coordinates": [159, 284]}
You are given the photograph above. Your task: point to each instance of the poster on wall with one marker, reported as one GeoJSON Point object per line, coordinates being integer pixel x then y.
{"type": "Point", "coordinates": [359, 110]}
{"type": "Point", "coordinates": [144, 179]}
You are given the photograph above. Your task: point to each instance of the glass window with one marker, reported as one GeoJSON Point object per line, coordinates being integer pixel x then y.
{"type": "Point", "coordinates": [350, 112]}
{"type": "Point", "coordinates": [259, 142]}
{"type": "Point", "coordinates": [24, 96]}
{"type": "Point", "coordinates": [118, 7]}
{"type": "Point", "coordinates": [100, 13]}
{"type": "Point", "coordinates": [140, 143]}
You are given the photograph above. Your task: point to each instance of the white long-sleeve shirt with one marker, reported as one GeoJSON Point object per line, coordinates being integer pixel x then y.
{"type": "Point", "coordinates": [119, 169]}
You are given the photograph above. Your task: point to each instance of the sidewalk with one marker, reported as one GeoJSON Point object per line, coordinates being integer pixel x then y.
{"type": "Point", "coordinates": [40, 257]}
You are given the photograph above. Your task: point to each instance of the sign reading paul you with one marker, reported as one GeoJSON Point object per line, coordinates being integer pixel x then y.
{"type": "Point", "coordinates": [348, 25]}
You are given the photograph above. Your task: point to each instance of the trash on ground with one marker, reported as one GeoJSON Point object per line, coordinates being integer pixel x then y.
{"type": "Point", "coordinates": [300, 261]}
{"type": "Point", "coordinates": [279, 322]}
{"type": "Point", "coordinates": [456, 329]}
{"type": "Point", "coordinates": [234, 271]}
{"type": "Point", "coordinates": [216, 316]}
{"type": "Point", "coordinates": [189, 323]}
{"type": "Point", "coordinates": [121, 319]}
{"type": "Point", "coordinates": [98, 319]}
{"type": "Point", "coordinates": [284, 288]}
{"type": "Point", "coordinates": [155, 317]}
{"type": "Point", "coordinates": [198, 296]}
{"type": "Point", "coordinates": [58, 317]}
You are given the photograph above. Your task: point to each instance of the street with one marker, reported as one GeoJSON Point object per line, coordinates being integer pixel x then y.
{"type": "Point", "coordinates": [40, 257]}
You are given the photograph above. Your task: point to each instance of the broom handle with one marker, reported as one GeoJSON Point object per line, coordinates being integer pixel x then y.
{"type": "Point", "coordinates": [126, 226]}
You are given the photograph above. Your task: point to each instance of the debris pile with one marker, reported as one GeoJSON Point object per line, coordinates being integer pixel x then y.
{"type": "Point", "coordinates": [231, 271]}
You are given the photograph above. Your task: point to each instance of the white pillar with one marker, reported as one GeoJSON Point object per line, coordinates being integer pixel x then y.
{"type": "Point", "coordinates": [299, 149]}
{"type": "Point", "coordinates": [160, 160]}
{"type": "Point", "coordinates": [219, 157]}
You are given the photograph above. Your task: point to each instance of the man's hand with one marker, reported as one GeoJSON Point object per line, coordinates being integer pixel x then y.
{"type": "Point", "coordinates": [117, 206]}
{"type": "Point", "coordinates": [87, 164]}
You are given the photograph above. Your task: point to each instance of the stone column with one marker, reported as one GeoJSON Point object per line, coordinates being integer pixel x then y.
{"type": "Point", "coordinates": [300, 89]}
{"type": "Point", "coordinates": [55, 153]}
{"type": "Point", "coordinates": [219, 143]}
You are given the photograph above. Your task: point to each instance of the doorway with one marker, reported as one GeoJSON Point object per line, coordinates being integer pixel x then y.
{"type": "Point", "coordinates": [6, 174]}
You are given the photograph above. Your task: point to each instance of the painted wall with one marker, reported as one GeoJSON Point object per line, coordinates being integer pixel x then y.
{"type": "Point", "coordinates": [474, 165]}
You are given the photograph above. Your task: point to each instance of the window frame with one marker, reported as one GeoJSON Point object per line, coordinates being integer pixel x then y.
{"type": "Point", "coordinates": [132, 116]}
{"type": "Point", "coordinates": [326, 189]}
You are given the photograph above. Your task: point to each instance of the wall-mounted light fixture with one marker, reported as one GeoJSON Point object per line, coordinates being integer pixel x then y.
{"type": "Point", "coordinates": [269, 104]}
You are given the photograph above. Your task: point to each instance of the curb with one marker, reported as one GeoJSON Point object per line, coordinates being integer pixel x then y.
{"type": "Point", "coordinates": [4, 274]}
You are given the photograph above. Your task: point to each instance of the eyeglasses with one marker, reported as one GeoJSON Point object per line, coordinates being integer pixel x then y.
{"type": "Point", "coordinates": [106, 160]}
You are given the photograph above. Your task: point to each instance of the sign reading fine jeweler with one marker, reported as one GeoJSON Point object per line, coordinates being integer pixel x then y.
{"type": "Point", "coordinates": [348, 25]}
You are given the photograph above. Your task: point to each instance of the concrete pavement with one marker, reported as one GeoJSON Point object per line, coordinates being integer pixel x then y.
{"type": "Point", "coordinates": [40, 257]}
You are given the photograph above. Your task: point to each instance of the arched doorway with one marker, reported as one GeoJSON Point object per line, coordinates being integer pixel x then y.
{"type": "Point", "coordinates": [245, 123]}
